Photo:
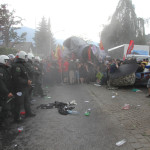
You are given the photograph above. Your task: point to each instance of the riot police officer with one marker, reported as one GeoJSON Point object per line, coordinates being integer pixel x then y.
{"type": "Point", "coordinates": [11, 59]}
{"type": "Point", "coordinates": [38, 77]}
{"type": "Point", "coordinates": [5, 86]}
{"type": "Point", "coordinates": [31, 71]}
{"type": "Point", "coordinates": [21, 83]}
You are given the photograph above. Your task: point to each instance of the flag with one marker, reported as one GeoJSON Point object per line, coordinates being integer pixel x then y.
{"type": "Point", "coordinates": [89, 53]}
{"type": "Point", "coordinates": [94, 50]}
{"type": "Point", "coordinates": [130, 48]}
{"type": "Point", "coordinates": [124, 57]}
{"type": "Point", "coordinates": [58, 52]}
{"type": "Point", "coordinates": [101, 45]}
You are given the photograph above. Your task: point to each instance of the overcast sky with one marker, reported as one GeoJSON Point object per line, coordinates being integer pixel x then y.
{"type": "Point", "coordinates": [73, 17]}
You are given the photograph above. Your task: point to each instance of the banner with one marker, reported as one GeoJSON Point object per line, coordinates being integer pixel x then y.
{"type": "Point", "coordinates": [101, 45]}
{"type": "Point", "coordinates": [130, 48]}
{"type": "Point", "coordinates": [89, 53]}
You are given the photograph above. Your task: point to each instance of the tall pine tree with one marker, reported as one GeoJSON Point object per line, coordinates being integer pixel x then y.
{"type": "Point", "coordinates": [44, 41]}
{"type": "Point", "coordinates": [124, 26]}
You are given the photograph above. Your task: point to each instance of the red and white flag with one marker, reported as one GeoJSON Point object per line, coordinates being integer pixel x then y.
{"type": "Point", "coordinates": [101, 45]}
{"type": "Point", "coordinates": [130, 48]}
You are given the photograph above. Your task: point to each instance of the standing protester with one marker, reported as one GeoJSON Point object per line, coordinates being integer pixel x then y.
{"type": "Point", "coordinates": [5, 86]}
{"type": "Point", "coordinates": [77, 71]}
{"type": "Point", "coordinates": [86, 73]}
{"type": "Point", "coordinates": [148, 86]}
{"type": "Point", "coordinates": [113, 66]}
{"type": "Point", "coordinates": [65, 71]}
{"type": "Point", "coordinates": [71, 72]}
{"type": "Point", "coordinates": [21, 83]}
{"type": "Point", "coordinates": [81, 72]}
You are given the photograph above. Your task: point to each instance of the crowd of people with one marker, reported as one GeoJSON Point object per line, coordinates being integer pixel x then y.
{"type": "Point", "coordinates": [22, 77]}
{"type": "Point", "coordinates": [75, 71]}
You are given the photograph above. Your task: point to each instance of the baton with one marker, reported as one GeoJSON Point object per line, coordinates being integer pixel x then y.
{"type": "Point", "coordinates": [10, 99]}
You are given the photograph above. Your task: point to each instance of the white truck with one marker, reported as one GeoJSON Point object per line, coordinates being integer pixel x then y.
{"type": "Point", "coordinates": [138, 51]}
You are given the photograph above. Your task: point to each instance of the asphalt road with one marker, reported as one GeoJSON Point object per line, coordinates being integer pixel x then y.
{"type": "Point", "coordinates": [50, 130]}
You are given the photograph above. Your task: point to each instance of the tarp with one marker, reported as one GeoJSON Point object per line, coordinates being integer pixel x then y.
{"type": "Point", "coordinates": [80, 48]}
{"type": "Point", "coordinates": [65, 52]}
{"type": "Point", "coordinates": [74, 43]}
{"type": "Point", "coordinates": [124, 70]}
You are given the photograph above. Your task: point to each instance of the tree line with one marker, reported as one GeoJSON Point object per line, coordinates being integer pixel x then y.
{"type": "Point", "coordinates": [123, 27]}
{"type": "Point", "coordinates": [9, 24]}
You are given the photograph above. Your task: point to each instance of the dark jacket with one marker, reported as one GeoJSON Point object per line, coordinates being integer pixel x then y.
{"type": "Point", "coordinates": [30, 69]}
{"type": "Point", "coordinates": [38, 72]}
{"type": "Point", "coordinates": [20, 75]}
{"type": "Point", "coordinates": [5, 80]}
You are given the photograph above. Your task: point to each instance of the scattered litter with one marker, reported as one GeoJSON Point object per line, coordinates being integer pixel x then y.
{"type": "Point", "coordinates": [113, 96]}
{"type": "Point", "coordinates": [112, 88]}
{"type": "Point", "coordinates": [20, 129]}
{"type": "Point", "coordinates": [72, 112]}
{"type": "Point", "coordinates": [115, 93]}
{"type": "Point", "coordinates": [97, 84]}
{"type": "Point", "coordinates": [87, 112]}
{"type": "Point", "coordinates": [89, 109]}
{"type": "Point", "coordinates": [46, 87]}
{"type": "Point", "coordinates": [136, 90]}
{"type": "Point", "coordinates": [86, 101]}
{"type": "Point", "coordinates": [126, 106]}
{"type": "Point", "coordinates": [61, 106]}
{"type": "Point", "coordinates": [73, 102]}
{"type": "Point", "coordinates": [15, 146]}
{"type": "Point", "coordinates": [138, 105]}
{"type": "Point", "coordinates": [63, 110]}
{"type": "Point", "coordinates": [121, 142]}
{"type": "Point", "coordinates": [47, 97]}
{"type": "Point", "coordinates": [46, 106]}
{"type": "Point", "coordinates": [19, 93]}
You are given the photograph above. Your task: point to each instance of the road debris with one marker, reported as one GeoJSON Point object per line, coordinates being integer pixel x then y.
{"type": "Point", "coordinates": [113, 96]}
{"type": "Point", "coordinates": [121, 142]}
{"type": "Point", "coordinates": [97, 84]}
{"type": "Point", "coordinates": [136, 90]}
{"type": "Point", "coordinates": [87, 112]}
{"type": "Point", "coordinates": [126, 106]}
{"type": "Point", "coordinates": [61, 106]}
{"type": "Point", "coordinates": [86, 101]}
{"type": "Point", "coordinates": [72, 112]}
{"type": "Point", "coordinates": [20, 129]}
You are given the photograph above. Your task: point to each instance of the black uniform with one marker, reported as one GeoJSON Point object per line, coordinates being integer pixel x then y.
{"type": "Point", "coordinates": [20, 79]}
{"type": "Point", "coordinates": [38, 79]}
{"type": "Point", "coordinates": [31, 71]}
{"type": "Point", "coordinates": [5, 89]}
